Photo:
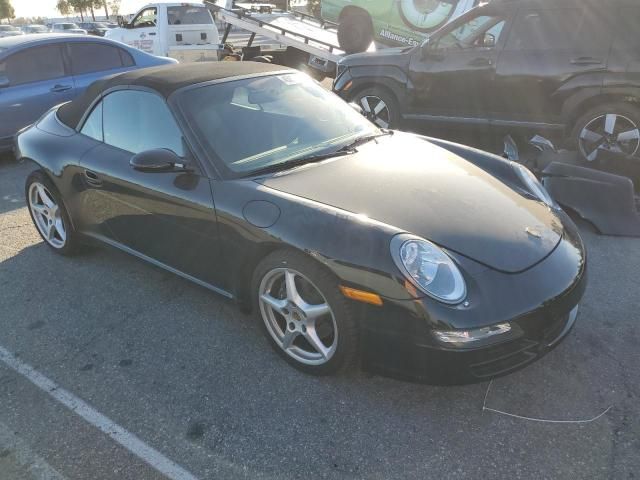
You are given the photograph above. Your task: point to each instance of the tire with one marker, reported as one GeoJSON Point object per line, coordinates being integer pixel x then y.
{"type": "Point", "coordinates": [369, 100]}
{"type": "Point", "coordinates": [290, 327]}
{"type": "Point", "coordinates": [355, 32]}
{"type": "Point", "coordinates": [64, 240]}
{"type": "Point", "coordinates": [600, 129]}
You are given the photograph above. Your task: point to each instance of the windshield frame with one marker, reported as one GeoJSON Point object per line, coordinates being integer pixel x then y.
{"type": "Point", "coordinates": [216, 167]}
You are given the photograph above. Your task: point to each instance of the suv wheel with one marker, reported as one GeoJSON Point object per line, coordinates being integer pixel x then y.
{"type": "Point", "coordinates": [355, 32]}
{"type": "Point", "coordinates": [613, 127]}
{"type": "Point", "coordinates": [379, 106]}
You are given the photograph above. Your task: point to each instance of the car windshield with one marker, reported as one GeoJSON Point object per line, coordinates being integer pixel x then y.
{"type": "Point", "coordinates": [286, 118]}
{"type": "Point", "coordinates": [68, 26]}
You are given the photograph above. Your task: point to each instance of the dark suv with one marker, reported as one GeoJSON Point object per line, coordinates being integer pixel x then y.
{"type": "Point", "coordinates": [572, 66]}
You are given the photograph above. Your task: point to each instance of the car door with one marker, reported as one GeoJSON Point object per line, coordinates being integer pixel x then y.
{"type": "Point", "coordinates": [35, 79]}
{"type": "Point", "coordinates": [143, 33]}
{"type": "Point", "coordinates": [93, 60]}
{"type": "Point", "coordinates": [451, 76]}
{"type": "Point", "coordinates": [167, 217]}
{"type": "Point", "coordinates": [549, 55]}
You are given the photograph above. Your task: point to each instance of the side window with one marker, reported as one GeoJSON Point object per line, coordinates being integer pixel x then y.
{"type": "Point", "coordinates": [35, 65]}
{"type": "Point", "coordinates": [549, 30]}
{"type": "Point", "coordinates": [93, 125]}
{"type": "Point", "coordinates": [474, 33]}
{"type": "Point", "coordinates": [146, 18]}
{"type": "Point", "coordinates": [628, 34]}
{"type": "Point", "coordinates": [137, 121]}
{"type": "Point", "coordinates": [93, 57]}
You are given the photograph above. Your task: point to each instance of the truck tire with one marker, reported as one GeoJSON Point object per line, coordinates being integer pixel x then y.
{"type": "Point", "coordinates": [610, 126]}
{"type": "Point", "coordinates": [355, 32]}
{"type": "Point", "coordinates": [379, 105]}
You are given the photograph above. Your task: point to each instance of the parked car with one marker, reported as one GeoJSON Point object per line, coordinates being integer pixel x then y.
{"type": "Point", "coordinates": [184, 31]}
{"type": "Point", "coordinates": [29, 29]}
{"type": "Point", "coordinates": [67, 28]}
{"type": "Point", "coordinates": [9, 31]}
{"type": "Point", "coordinates": [564, 66]}
{"type": "Point", "coordinates": [40, 71]}
{"type": "Point", "coordinates": [389, 22]}
{"type": "Point", "coordinates": [94, 28]}
{"type": "Point", "coordinates": [445, 264]}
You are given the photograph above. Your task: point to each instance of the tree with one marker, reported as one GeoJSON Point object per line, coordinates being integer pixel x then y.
{"type": "Point", "coordinates": [115, 7]}
{"type": "Point", "coordinates": [63, 7]}
{"type": "Point", "coordinates": [6, 10]}
{"type": "Point", "coordinates": [106, 10]}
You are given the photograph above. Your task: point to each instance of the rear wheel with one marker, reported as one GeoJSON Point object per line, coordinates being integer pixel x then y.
{"type": "Point", "coordinates": [613, 127]}
{"type": "Point", "coordinates": [305, 317]}
{"type": "Point", "coordinates": [379, 106]}
{"type": "Point", "coordinates": [355, 32]}
{"type": "Point", "coordinates": [49, 215]}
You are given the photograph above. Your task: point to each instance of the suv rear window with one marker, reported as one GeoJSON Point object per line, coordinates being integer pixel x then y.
{"type": "Point", "coordinates": [188, 15]}
{"type": "Point", "coordinates": [558, 29]}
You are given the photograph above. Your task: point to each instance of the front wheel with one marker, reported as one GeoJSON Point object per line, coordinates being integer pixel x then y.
{"type": "Point", "coordinates": [305, 317]}
{"type": "Point", "coordinates": [613, 127]}
{"type": "Point", "coordinates": [379, 106]}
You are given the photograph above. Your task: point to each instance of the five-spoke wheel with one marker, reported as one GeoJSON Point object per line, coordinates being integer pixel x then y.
{"type": "Point", "coordinates": [379, 106]}
{"type": "Point", "coordinates": [48, 214]}
{"type": "Point", "coordinates": [305, 317]}
{"type": "Point", "coordinates": [297, 316]}
{"type": "Point", "coordinates": [611, 128]}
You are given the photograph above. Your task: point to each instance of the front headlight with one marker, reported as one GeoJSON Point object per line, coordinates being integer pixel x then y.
{"type": "Point", "coordinates": [428, 268]}
{"type": "Point", "coordinates": [533, 184]}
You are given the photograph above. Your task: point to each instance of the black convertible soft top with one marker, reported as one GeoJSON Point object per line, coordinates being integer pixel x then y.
{"type": "Point", "coordinates": [165, 79]}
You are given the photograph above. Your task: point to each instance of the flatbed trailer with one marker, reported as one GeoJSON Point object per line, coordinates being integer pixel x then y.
{"type": "Point", "coordinates": [299, 39]}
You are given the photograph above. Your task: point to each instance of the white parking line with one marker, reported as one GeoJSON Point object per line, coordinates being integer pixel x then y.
{"type": "Point", "coordinates": [128, 440]}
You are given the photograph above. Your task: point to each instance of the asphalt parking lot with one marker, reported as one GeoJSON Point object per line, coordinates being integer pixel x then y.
{"type": "Point", "coordinates": [188, 376]}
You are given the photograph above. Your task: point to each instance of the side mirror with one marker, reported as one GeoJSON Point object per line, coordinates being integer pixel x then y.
{"type": "Point", "coordinates": [488, 40]}
{"type": "Point", "coordinates": [4, 82]}
{"type": "Point", "coordinates": [157, 160]}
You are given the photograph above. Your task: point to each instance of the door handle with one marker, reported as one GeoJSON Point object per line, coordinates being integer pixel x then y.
{"type": "Point", "coordinates": [152, 34]}
{"type": "Point", "coordinates": [60, 88]}
{"type": "Point", "coordinates": [481, 62]}
{"type": "Point", "coordinates": [586, 61]}
{"type": "Point", "coordinates": [92, 178]}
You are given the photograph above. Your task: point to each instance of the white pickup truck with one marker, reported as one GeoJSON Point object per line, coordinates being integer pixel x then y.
{"type": "Point", "coordinates": [184, 31]}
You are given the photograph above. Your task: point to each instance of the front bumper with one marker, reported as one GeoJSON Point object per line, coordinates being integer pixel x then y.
{"type": "Point", "coordinates": [398, 338]}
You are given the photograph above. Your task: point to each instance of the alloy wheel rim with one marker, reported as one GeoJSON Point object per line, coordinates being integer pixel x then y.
{"type": "Point", "coordinates": [376, 110]}
{"type": "Point", "coordinates": [298, 317]}
{"type": "Point", "coordinates": [47, 215]}
{"type": "Point", "coordinates": [609, 132]}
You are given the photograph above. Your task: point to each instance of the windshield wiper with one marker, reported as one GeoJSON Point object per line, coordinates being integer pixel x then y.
{"type": "Point", "coordinates": [364, 139]}
{"type": "Point", "coordinates": [297, 162]}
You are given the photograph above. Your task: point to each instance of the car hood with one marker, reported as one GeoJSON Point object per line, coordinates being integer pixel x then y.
{"type": "Point", "coordinates": [407, 182]}
{"type": "Point", "coordinates": [388, 56]}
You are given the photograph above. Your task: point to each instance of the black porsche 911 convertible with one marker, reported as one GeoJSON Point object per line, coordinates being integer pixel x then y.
{"type": "Point", "coordinates": [423, 259]}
